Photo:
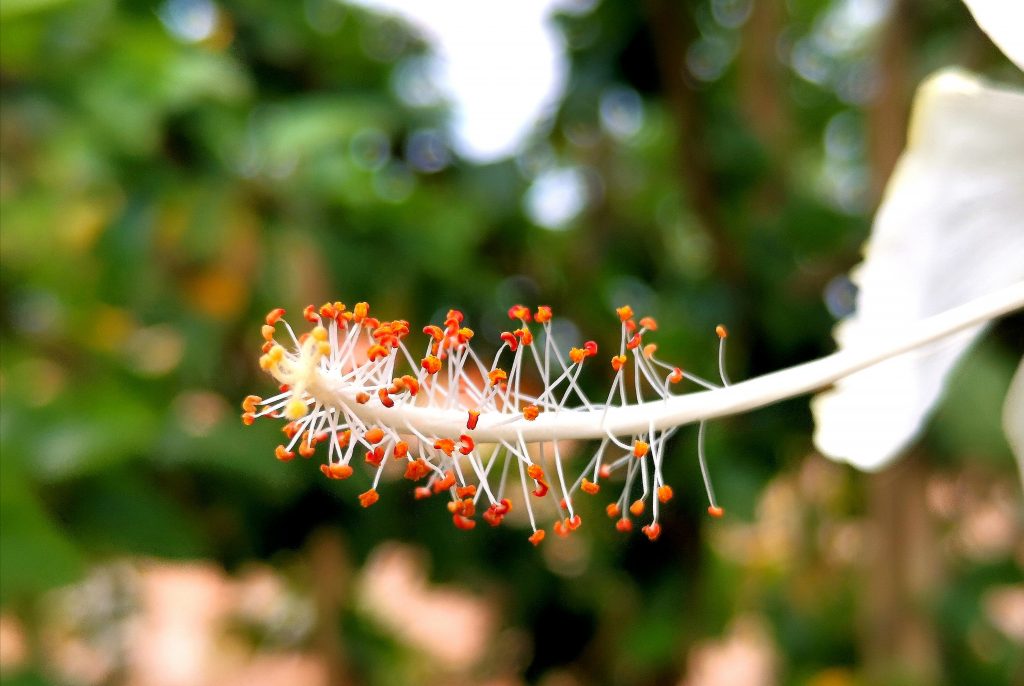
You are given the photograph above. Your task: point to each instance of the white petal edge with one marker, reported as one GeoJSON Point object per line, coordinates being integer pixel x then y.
{"type": "Point", "coordinates": [950, 228]}
{"type": "Point", "coordinates": [1003, 21]}
{"type": "Point", "coordinates": [1013, 418]}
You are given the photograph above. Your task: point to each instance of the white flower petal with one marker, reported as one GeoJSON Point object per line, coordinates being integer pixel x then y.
{"type": "Point", "coordinates": [1003, 21]}
{"type": "Point", "coordinates": [950, 228]}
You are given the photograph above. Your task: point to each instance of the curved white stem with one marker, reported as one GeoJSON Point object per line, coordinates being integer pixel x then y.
{"type": "Point", "coordinates": [688, 408]}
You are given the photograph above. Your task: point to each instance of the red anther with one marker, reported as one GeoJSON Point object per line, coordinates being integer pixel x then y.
{"type": "Point", "coordinates": [715, 511]}
{"type": "Point", "coordinates": [359, 312]}
{"type": "Point", "coordinates": [417, 469]}
{"type": "Point", "coordinates": [563, 504]}
{"type": "Point", "coordinates": [445, 445]}
{"type": "Point", "coordinates": [652, 531]}
{"type": "Point", "coordinates": [401, 450]}
{"type": "Point", "coordinates": [466, 444]}
{"type": "Point", "coordinates": [574, 522]}
{"type": "Point", "coordinates": [676, 376]}
{"type": "Point", "coordinates": [492, 516]}
{"type": "Point", "coordinates": [306, 449]}
{"type": "Point", "coordinates": [444, 484]}
{"type": "Point", "coordinates": [467, 491]}
{"type": "Point", "coordinates": [431, 364]}
{"type": "Point", "coordinates": [589, 487]}
{"type": "Point", "coordinates": [640, 448]}
{"type": "Point", "coordinates": [618, 361]}
{"type": "Point", "coordinates": [541, 490]}
{"type": "Point", "coordinates": [265, 348]}
{"type": "Point", "coordinates": [371, 322]}
{"type": "Point", "coordinates": [320, 437]}
{"type": "Point", "coordinates": [649, 323]}
{"type": "Point", "coordinates": [536, 537]}
{"type": "Point", "coordinates": [284, 388]}
{"type": "Point", "coordinates": [497, 376]}
{"type": "Point", "coordinates": [721, 331]}
{"type": "Point", "coordinates": [362, 397]}
{"type": "Point", "coordinates": [664, 493]}
{"type": "Point", "coordinates": [281, 453]}
{"type": "Point", "coordinates": [630, 326]}
{"type": "Point", "coordinates": [385, 399]}
{"type": "Point", "coordinates": [625, 312]}
{"type": "Point", "coordinates": [604, 471]}
{"type": "Point", "coordinates": [376, 351]}
{"type": "Point", "coordinates": [375, 456]}
{"type": "Point", "coordinates": [520, 312]}
{"type": "Point", "coordinates": [474, 417]}
{"type": "Point", "coordinates": [590, 348]}
{"type": "Point", "coordinates": [274, 316]}
{"type": "Point", "coordinates": [310, 314]}
{"type": "Point", "coordinates": [374, 435]}
{"type": "Point", "coordinates": [624, 525]}
{"type": "Point", "coordinates": [368, 498]}
{"type": "Point", "coordinates": [577, 355]}
{"type": "Point", "coordinates": [336, 471]}
{"type": "Point", "coordinates": [650, 349]}
{"type": "Point", "coordinates": [421, 492]}
{"type": "Point", "coordinates": [267, 331]}
{"type": "Point", "coordinates": [463, 523]}
{"type": "Point", "coordinates": [434, 332]}
{"type": "Point", "coordinates": [454, 316]}
{"type": "Point", "coordinates": [248, 418]}
{"type": "Point", "coordinates": [530, 412]}
{"type": "Point", "coordinates": [290, 429]}
{"type": "Point", "coordinates": [633, 342]}
{"type": "Point", "coordinates": [510, 339]}
{"type": "Point", "coordinates": [543, 314]}
{"type": "Point", "coordinates": [250, 402]}
{"type": "Point", "coordinates": [412, 384]}
{"type": "Point", "coordinates": [613, 510]}
{"type": "Point", "coordinates": [504, 507]}
{"type": "Point", "coordinates": [637, 508]}
{"type": "Point", "coordinates": [561, 529]}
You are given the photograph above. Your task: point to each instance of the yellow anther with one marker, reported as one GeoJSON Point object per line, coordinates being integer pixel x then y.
{"type": "Point", "coordinates": [295, 409]}
{"type": "Point", "coordinates": [319, 333]}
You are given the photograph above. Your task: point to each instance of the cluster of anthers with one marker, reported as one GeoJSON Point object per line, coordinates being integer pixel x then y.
{"type": "Point", "coordinates": [459, 426]}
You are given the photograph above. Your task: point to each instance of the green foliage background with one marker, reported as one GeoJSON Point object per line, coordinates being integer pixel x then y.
{"type": "Point", "coordinates": [159, 196]}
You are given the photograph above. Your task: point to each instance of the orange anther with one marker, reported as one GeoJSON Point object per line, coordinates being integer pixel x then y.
{"type": "Point", "coordinates": [577, 355]}
{"type": "Point", "coordinates": [492, 516]}
{"type": "Point", "coordinates": [613, 510]}
{"type": "Point", "coordinates": [444, 484]}
{"type": "Point", "coordinates": [530, 412]}
{"type": "Point", "coordinates": [650, 349]}
{"type": "Point", "coordinates": [543, 314]}
{"type": "Point", "coordinates": [649, 323]}
{"type": "Point", "coordinates": [455, 316]}
{"type": "Point", "coordinates": [589, 487]}
{"type": "Point", "coordinates": [250, 402]}
{"type": "Point", "coordinates": [431, 364]}
{"type": "Point", "coordinates": [344, 438]}
{"type": "Point", "coordinates": [474, 417]}
{"type": "Point", "coordinates": [676, 376]}
{"type": "Point", "coordinates": [310, 314]}
{"type": "Point", "coordinates": [561, 528]}
{"type": "Point", "coordinates": [463, 523]}
{"type": "Point", "coordinates": [265, 348]}
{"type": "Point", "coordinates": [520, 312]}
{"type": "Point", "coordinates": [336, 471]}
{"type": "Point", "coordinates": [465, 335]}
{"type": "Point", "coordinates": [625, 312]}
{"type": "Point", "coordinates": [574, 522]}
{"type": "Point", "coordinates": [524, 335]}
{"type": "Point", "coordinates": [715, 511]}
{"type": "Point", "coordinates": [360, 311]}
{"type": "Point", "coordinates": [290, 429]}
{"type": "Point", "coordinates": [445, 445]}
{"type": "Point", "coordinates": [503, 507]}
{"type": "Point", "coordinates": [721, 331]}
{"type": "Point", "coordinates": [376, 351]}
{"type": "Point", "coordinates": [267, 331]}
{"type": "Point", "coordinates": [374, 435]}
{"type": "Point", "coordinates": [417, 469]}
{"type": "Point", "coordinates": [307, 449]}
{"type": "Point", "coordinates": [664, 493]}
{"type": "Point", "coordinates": [375, 456]}
{"type": "Point", "coordinates": [421, 492]}
{"type": "Point", "coordinates": [401, 450]}
{"type": "Point", "coordinates": [624, 525]}
{"type": "Point", "coordinates": [274, 316]}
{"type": "Point", "coordinates": [385, 399]}
{"type": "Point", "coordinates": [535, 472]}
{"type": "Point", "coordinates": [652, 531]}
{"type": "Point", "coordinates": [434, 332]}
{"type": "Point", "coordinates": [633, 342]}
{"type": "Point", "coordinates": [368, 498]}
{"type": "Point", "coordinates": [497, 376]}
{"type": "Point", "coordinates": [248, 418]}
{"type": "Point", "coordinates": [327, 311]}
{"type": "Point", "coordinates": [640, 448]}
{"type": "Point", "coordinates": [637, 508]}
{"type": "Point", "coordinates": [467, 491]}
{"type": "Point", "coordinates": [281, 453]}
{"type": "Point", "coordinates": [536, 537]}
{"type": "Point", "coordinates": [510, 340]}
{"type": "Point", "coordinates": [618, 361]}
{"type": "Point", "coordinates": [362, 397]}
